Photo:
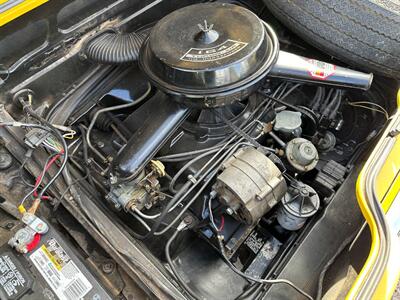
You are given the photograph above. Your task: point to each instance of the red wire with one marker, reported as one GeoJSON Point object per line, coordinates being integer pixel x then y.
{"type": "Point", "coordinates": [35, 241]}
{"type": "Point", "coordinates": [221, 226]}
{"type": "Point", "coordinates": [47, 167]}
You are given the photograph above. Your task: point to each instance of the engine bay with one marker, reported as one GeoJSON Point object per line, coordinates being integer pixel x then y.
{"type": "Point", "coordinates": [217, 149]}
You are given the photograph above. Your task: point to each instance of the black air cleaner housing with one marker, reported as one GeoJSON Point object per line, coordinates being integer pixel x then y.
{"type": "Point", "coordinates": [209, 55]}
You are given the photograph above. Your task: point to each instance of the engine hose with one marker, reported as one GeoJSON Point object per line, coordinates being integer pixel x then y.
{"type": "Point", "coordinates": [103, 121]}
{"type": "Point", "coordinates": [114, 47]}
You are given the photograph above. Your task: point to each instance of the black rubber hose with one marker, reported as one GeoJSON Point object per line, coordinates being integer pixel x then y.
{"type": "Point", "coordinates": [115, 48]}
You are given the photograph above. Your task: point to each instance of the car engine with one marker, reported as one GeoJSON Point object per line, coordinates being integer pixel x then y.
{"type": "Point", "coordinates": [217, 150]}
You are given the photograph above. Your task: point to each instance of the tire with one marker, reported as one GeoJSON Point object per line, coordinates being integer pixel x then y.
{"type": "Point", "coordinates": [362, 33]}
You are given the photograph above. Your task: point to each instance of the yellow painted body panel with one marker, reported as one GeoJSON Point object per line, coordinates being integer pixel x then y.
{"type": "Point", "coordinates": [391, 276]}
{"type": "Point", "coordinates": [388, 191]}
{"type": "Point", "coordinates": [18, 10]}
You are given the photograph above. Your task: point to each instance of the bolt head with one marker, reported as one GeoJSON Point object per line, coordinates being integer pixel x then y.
{"type": "Point", "coordinates": [9, 225]}
{"type": "Point", "coordinates": [188, 219]}
{"type": "Point", "coordinates": [229, 211]}
{"type": "Point", "coordinates": [5, 161]}
{"type": "Point", "coordinates": [108, 267]}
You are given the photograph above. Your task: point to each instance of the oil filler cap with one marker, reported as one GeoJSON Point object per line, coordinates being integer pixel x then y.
{"type": "Point", "coordinates": [208, 50]}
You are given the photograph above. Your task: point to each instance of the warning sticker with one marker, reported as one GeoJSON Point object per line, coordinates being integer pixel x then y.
{"type": "Point", "coordinates": [254, 242]}
{"type": "Point", "coordinates": [13, 281]}
{"type": "Point", "coordinates": [319, 69]}
{"type": "Point", "coordinates": [224, 50]}
{"type": "Point", "coordinates": [60, 272]}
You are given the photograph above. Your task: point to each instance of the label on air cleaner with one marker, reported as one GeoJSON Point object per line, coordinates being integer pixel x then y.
{"type": "Point", "coordinates": [319, 69]}
{"type": "Point", "coordinates": [14, 281]}
{"type": "Point", "coordinates": [60, 272]}
{"type": "Point", "coordinates": [224, 50]}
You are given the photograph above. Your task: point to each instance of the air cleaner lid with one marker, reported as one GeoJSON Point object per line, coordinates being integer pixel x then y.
{"type": "Point", "coordinates": [206, 49]}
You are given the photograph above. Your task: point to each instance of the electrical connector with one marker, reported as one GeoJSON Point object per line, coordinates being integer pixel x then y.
{"type": "Point", "coordinates": [36, 137]}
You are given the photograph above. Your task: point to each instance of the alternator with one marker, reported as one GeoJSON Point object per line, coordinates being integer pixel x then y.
{"type": "Point", "coordinates": [250, 185]}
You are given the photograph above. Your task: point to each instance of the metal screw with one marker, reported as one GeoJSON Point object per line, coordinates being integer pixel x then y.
{"type": "Point", "coordinates": [96, 297]}
{"type": "Point", "coordinates": [108, 267]}
{"type": "Point", "coordinates": [394, 132]}
{"type": "Point", "coordinates": [100, 144]}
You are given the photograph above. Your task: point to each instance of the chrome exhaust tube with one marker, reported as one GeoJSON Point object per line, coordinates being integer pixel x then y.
{"type": "Point", "coordinates": [298, 68]}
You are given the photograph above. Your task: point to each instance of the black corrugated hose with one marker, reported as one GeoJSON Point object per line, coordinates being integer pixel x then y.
{"type": "Point", "coordinates": [115, 48]}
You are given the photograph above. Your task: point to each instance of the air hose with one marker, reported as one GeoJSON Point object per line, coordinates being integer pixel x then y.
{"type": "Point", "coordinates": [111, 47]}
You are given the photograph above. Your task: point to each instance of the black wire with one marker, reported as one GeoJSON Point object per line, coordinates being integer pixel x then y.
{"type": "Point", "coordinates": [182, 190]}
{"type": "Point", "coordinates": [57, 201]}
{"type": "Point", "coordinates": [186, 186]}
{"type": "Point", "coordinates": [164, 212]}
{"type": "Point", "coordinates": [294, 107]}
{"type": "Point", "coordinates": [42, 174]}
{"type": "Point", "coordinates": [294, 87]}
{"type": "Point", "coordinates": [258, 280]}
{"type": "Point", "coordinates": [181, 282]}
{"type": "Point", "coordinates": [326, 100]}
{"type": "Point", "coordinates": [319, 94]}
{"type": "Point", "coordinates": [21, 174]}
{"type": "Point", "coordinates": [174, 200]}
{"type": "Point", "coordinates": [86, 155]}
{"type": "Point", "coordinates": [262, 282]}
{"type": "Point", "coordinates": [58, 173]}
{"type": "Point", "coordinates": [27, 108]}
{"type": "Point", "coordinates": [55, 106]}
{"type": "Point", "coordinates": [178, 196]}
{"type": "Point", "coordinates": [47, 127]}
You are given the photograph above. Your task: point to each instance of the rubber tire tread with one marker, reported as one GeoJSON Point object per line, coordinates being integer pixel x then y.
{"type": "Point", "coordinates": [362, 33]}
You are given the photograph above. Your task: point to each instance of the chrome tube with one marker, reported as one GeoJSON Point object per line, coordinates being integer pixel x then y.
{"type": "Point", "coordinates": [298, 68]}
